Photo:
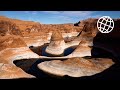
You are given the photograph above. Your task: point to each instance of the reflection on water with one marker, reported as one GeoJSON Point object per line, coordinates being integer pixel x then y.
{"type": "Point", "coordinates": [66, 52]}
{"type": "Point", "coordinates": [37, 72]}
{"type": "Point", "coordinates": [34, 70]}
{"type": "Point", "coordinates": [30, 66]}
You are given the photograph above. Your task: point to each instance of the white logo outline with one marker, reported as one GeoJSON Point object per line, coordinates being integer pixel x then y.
{"type": "Point", "coordinates": [107, 19]}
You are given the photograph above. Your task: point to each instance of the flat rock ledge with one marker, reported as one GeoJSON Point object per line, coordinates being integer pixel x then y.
{"type": "Point", "coordinates": [76, 67]}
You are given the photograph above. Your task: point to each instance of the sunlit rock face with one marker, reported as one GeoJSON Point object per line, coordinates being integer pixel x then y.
{"type": "Point", "coordinates": [17, 36]}
{"type": "Point", "coordinates": [9, 71]}
{"type": "Point", "coordinates": [9, 28]}
{"type": "Point", "coordinates": [11, 41]}
{"type": "Point", "coordinates": [84, 40]}
{"type": "Point", "coordinates": [89, 28]}
{"type": "Point", "coordinates": [87, 33]}
{"type": "Point", "coordinates": [76, 67]}
{"type": "Point", "coordinates": [13, 48]}
{"type": "Point", "coordinates": [82, 50]}
{"type": "Point", "coordinates": [57, 44]}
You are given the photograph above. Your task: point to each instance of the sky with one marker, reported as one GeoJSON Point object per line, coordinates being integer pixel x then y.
{"type": "Point", "coordinates": [58, 17]}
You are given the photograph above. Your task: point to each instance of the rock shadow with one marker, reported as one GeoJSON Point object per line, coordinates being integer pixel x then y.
{"type": "Point", "coordinates": [106, 46]}
{"type": "Point", "coordinates": [40, 50]}
{"type": "Point", "coordinates": [30, 67]}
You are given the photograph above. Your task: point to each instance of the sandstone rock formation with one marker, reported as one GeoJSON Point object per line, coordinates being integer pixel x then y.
{"type": "Point", "coordinates": [9, 28]}
{"type": "Point", "coordinates": [87, 33]}
{"type": "Point", "coordinates": [57, 44]}
{"type": "Point", "coordinates": [82, 50]}
{"type": "Point", "coordinates": [16, 36]}
{"type": "Point", "coordinates": [34, 31]}
{"type": "Point", "coordinates": [85, 41]}
{"type": "Point", "coordinates": [85, 38]}
{"type": "Point", "coordinates": [11, 41]}
{"type": "Point", "coordinates": [89, 30]}
{"type": "Point", "coordinates": [9, 71]}
{"type": "Point", "coordinates": [76, 67]}
{"type": "Point", "coordinates": [13, 48]}
{"type": "Point", "coordinates": [30, 26]}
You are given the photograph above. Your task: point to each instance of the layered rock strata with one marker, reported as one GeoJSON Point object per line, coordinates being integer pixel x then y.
{"type": "Point", "coordinates": [56, 45]}
{"type": "Point", "coordinates": [13, 48]}
{"type": "Point", "coordinates": [76, 67]}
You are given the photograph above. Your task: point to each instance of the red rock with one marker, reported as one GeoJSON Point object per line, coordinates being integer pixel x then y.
{"type": "Point", "coordinates": [11, 41]}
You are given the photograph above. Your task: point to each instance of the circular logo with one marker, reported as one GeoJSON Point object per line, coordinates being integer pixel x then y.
{"type": "Point", "coordinates": [105, 24]}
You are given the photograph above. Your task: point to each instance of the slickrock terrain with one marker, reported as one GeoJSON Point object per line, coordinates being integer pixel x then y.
{"type": "Point", "coordinates": [34, 33]}
{"type": "Point", "coordinates": [57, 44]}
{"type": "Point", "coordinates": [11, 41]}
{"type": "Point", "coordinates": [26, 40]}
{"type": "Point", "coordinates": [9, 71]}
{"type": "Point", "coordinates": [82, 47]}
{"type": "Point", "coordinates": [86, 43]}
{"type": "Point", "coordinates": [88, 32]}
{"type": "Point", "coordinates": [13, 48]}
{"type": "Point", "coordinates": [76, 67]}
{"type": "Point", "coordinates": [85, 38]}
{"type": "Point", "coordinates": [9, 28]}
